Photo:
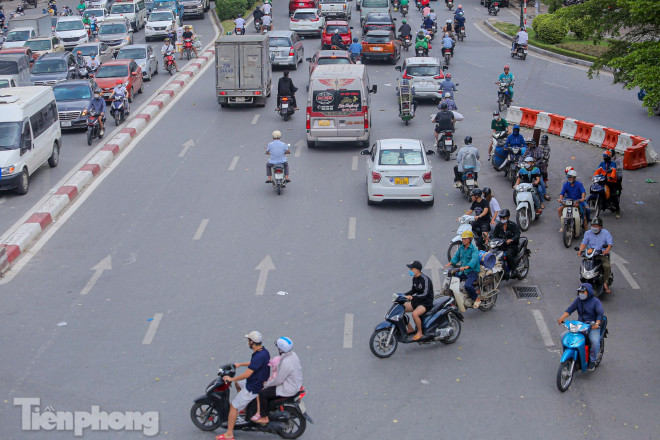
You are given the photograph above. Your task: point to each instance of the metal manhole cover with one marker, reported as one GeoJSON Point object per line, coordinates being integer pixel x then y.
{"type": "Point", "coordinates": [523, 292]}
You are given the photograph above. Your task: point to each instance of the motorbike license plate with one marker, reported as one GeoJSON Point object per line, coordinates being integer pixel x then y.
{"type": "Point", "coordinates": [302, 407]}
{"type": "Point", "coordinates": [401, 181]}
{"type": "Point", "coordinates": [379, 49]}
{"type": "Point", "coordinates": [324, 123]}
{"type": "Point", "coordinates": [284, 105]}
{"type": "Point", "coordinates": [66, 123]}
{"type": "Point", "coordinates": [469, 182]}
{"type": "Point", "coordinates": [448, 142]}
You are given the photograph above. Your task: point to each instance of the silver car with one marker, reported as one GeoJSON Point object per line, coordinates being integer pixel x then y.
{"type": "Point", "coordinates": [116, 32]}
{"type": "Point", "coordinates": [425, 75]}
{"type": "Point", "coordinates": [101, 50]}
{"type": "Point", "coordinates": [286, 48]}
{"type": "Point", "coordinates": [143, 55]}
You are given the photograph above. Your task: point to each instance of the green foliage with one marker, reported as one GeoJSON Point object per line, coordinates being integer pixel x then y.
{"type": "Point", "coordinates": [553, 5]}
{"type": "Point", "coordinates": [250, 3]}
{"type": "Point", "coordinates": [229, 9]}
{"type": "Point", "coordinates": [552, 30]}
{"type": "Point", "coordinates": [580, 28]}
{"type": "Point", "coordinates": [538, 20]}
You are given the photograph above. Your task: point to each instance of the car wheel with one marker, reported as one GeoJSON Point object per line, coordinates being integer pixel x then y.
{"type": "Point", "coordinates": [54, 158]}
{"type": "Point", "coordinates": [24, 183]}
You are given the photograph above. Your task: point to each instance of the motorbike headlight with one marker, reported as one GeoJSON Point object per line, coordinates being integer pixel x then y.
{"type": "Point", "coordinates": [589, 274]}
{"type": "Point", "coordinates": [574, 328]}
{"type": "Point", "coordinates": [394, 318]}
{"type": "Point", "coordinates": [8, 170]}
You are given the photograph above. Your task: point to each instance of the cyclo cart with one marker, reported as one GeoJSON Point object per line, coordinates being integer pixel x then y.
{"type": "Point", "coordinates": [406, 104]}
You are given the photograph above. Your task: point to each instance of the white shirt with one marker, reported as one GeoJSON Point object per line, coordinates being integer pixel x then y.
{"type": "Point", "coordinates": [522, 37]}
{"type": "Point", "coordinates": [494, 207]}
{"type": "Point", "coordinates": [179, 33]}
{"type": "Point", "coordinates": [167, 48]}
{"type": "Point", "coordinates": [240, 23]}
{"type": "Point", "coordinates": [93, 63]}
{"type": "Point", "coordinates": [266, 8]}
{"type": "Point", "coordinates": [266, 20]}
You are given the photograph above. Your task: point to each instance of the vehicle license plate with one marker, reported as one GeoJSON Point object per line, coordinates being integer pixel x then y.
{"type": "Point", "coordinates": [379, 49]}
{"type": "Point", "coordinates": [285, 105]}
{"type": "Point", "coordinates": [324, 123]}
{"type": "Point", "coordinates": [66, 123]}
{"type": "Point", "coordinates": [448, 142]}
{"type": "Point", "coordinates": [401, 181]}
{"type": "Point", "coordinates": [469, 182]}
{"type": "Point", "coordinates": [240, 99]}
{"type": "Point", "coordinates": [423, 83]}
{"type": "Point", "coordinates": [303, 409]}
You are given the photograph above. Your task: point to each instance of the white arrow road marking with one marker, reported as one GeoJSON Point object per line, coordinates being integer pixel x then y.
{"type": "Point", "coordinates": [233, 164]}
{"type": "Point", "coordinates": [619, 262]}
{"type": "Point", "coordinates": [263, 268]}
{"type": "Point", "coordinates": [186, 147]}
{"type": "Point", "coordinates": [102, 266]}
{"type": "Point", "coordinates": [351, 228]}
{"type": "Point", "coordinates": [355, 163]}
{"type": "Point", "coordinates": [201, 229]}
{"type": "Point", "coordinates": [255, 119]}
{"type": "Point", "coordinates": [434, 265]}
{"type": "Point", "coordinates": [151, 331]}
{"type": "Point", "coordinates": [348, 330]}
{"type": "Point", "coordinates": [299, 146]}
{"type": "Point", "coordinates": [543, 328]}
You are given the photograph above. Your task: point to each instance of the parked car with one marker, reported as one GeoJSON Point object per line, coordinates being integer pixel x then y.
{"type": "Point", "coordinates": [7, 81]}
{"type": "Point", "coordinates": [159, 24]}
{"type": "Point", "coordinates": [381, 45]}
{"type": "Point", "coordinates": [43, 45]}
{"type": "Point", "coordinates": [425, 75]}
{"type": "Point", "coordinates": [72, 99]}
{"type": "Point", "coordinates": [143, 55]}
{"type": "Point", "coordinates": [17, 37]}
{"type": "Point", "coordinates": [53, 68]}
{"type": "Point", "coordinates": [100, 14]}
{"type": "Point", "coordinates": [286, 48]}
{"type": "Point", "coordinates": [71, 30]}
{"type": "Point", "coordinates": [330, 28]}
{"type": "Point", "coordinates": [302, 4]}
{"type": "Point", "coordinates": [378, 21]}
{"type": "Point", "coordinates": [399, 169]}
{"type": "Point", "coordinates": [126, 70]}
{"type": "Point", "coordinates": [116, 33]}
{"type": "Point", "coordinates": [102, 51]}
{"type": "Point", "coordinates": [307, 22]}
{"type": "Point", "coordinates": [323, 57]}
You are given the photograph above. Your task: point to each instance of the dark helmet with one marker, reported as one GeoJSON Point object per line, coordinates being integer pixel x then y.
{"type": "Point", "coordinates": [468, 140]}
{"type": "Point", "coordinates": [487, 191]}
{"type": "Point", "coordinates": [477, 192]}
{"type": "Point", "coordinates": [443, 106]}
{"type": "Point", "coordinates": [516, 127]}
{"type": "Point", "coordinates": [544, 139]}
{"type": "Point", "coordinates": [504, 213]}
{"type": "Point", "coordinates": [286, 73]}
{"type": "Point", "coordinates": [597, 221]}
{"type": "Point", "coordinates": [355, 40]}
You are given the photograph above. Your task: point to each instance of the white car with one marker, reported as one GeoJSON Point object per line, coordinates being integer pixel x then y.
{"type": "Point", "coordinates": [307, 21]}
{"type": "Point", "coordinates": [399, 169]}
{"type": "Point", "coordinates": [18, 36]}
{"type": "Point", "coordinates": [98, 4]}
{"type": "Point", "coordinates": [159, 23]}
{"type": "Point", "coordinates": [100, 14]}
{"type": "Point", "coordinates": [71, 31]}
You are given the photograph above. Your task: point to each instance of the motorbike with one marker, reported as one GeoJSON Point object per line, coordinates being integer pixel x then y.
{"type": "Point", "coordinates": [287, 416]}
{"type": "Point", "coordinates": [520, 52]}
{"type": "Point", "coordinates": [82, 71]}
{"type": "Point", "coordinates": [118, 109]}
{"type": "Point", "coordinates": [499, 154]}
{"type": "Point", "coordinates": [460, 33]}
{"type": "Point", "coordinates": [93, 126]}
{"type": "Point", "coordinates": [446, 53]}
{"type": "Point", "coordinates": [468, 183]}
{"type": "Point", "coordinates": [396, 4]}
{"type": "Point", "coordinates": [404, 10]}
{"type": "Point", "coordinates": [570, 219]}
{"type": "Point", "coordinates": [445, 145]}
{"type": "Point", "coordinates": [442, 323]}
{"type": "Point", "coordinates": [239, 31]}
{"type": "Point", "coordinates": [576, 346]}
{"type": "Point", "coordinates": [421, 52]}
{"type": "Point", "coordinates": [450, 5]}
{"type": "Point", "coordinates": [600, 197]}
{"type": "Point", "coordinates": [188, 48]}
{"type": "Point", "coordinates": [511, 164]}
{"type": "Point", "coordinates": [169, 62]}
{"type": "Point", "coordinates": [591, 270]}
{"type": "Point", "coordinates": [465, 224]}
{"type": "Point", "coordinates": [503, 96]}
{"type": "Point", "coordinates": [266, 28]}
{"type": "Point", "coordinates": [32, 3]}
{"type": "Point", "coordinates": [286, 107]}
{"type": "Point", "coordinates": [494, 8]}
{"type": "Point", "coordinates": [406, 42]}
{"type": "Point", "coordinates": [525, 211]}
{"type": "Point", "coordinates": [257, 24]}
{"type": "Point", "coordinates": [356, 57]}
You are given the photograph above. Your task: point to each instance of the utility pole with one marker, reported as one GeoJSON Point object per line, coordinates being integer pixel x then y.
{"type": "Point", "coordinates": [522, 14]}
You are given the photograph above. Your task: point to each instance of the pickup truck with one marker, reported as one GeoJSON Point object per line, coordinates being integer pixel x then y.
{"type": "Point", "coordinates": [336, 9]}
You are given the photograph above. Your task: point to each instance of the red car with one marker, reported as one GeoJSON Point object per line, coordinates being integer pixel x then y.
{"type": "Point", "coordinates": [126, 70]}
{"type": "Point", "coordinates": [330, 27]}
{"type": "Point", "coordinates": [301, 4]}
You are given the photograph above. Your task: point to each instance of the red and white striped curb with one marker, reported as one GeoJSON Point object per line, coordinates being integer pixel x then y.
{"type": "Point", "coordinates": [22, 238]}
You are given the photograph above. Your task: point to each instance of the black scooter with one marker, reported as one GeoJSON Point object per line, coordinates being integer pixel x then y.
{"type": "Point", "coordinates": [441, 323]}
{"type": "Point", "coordinates": [591, 270]}
{"type": "Point", "coordinates": [445, 144]}
{"type": "Point", "coordinates": [600, 197]}
{"type": "Point", "coordinates": [93, 126]}
{"type": "Point", "coordinates": [287, 416]}
{"type": "Point", "coordinates": [286, 107]}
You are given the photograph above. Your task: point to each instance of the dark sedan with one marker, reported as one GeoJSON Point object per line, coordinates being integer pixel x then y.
{"type": "Point", "coordinates": [378, 21]}
{"type": "Point", "coordinates": [53, 68]}
{"type": "Point", "coordinates": [72, 99]}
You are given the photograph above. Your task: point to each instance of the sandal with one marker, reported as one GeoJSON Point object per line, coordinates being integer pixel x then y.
{"type": "Point", "coordinates": [223, 437]}
{"type": "Point", "coordinates": [477, 303]}
{"type": "Point", "coordinates": [417, 337]}
{"type": "Point", "coordinates": [255, 417]}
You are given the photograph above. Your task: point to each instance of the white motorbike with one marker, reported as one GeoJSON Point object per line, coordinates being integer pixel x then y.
{"type": "Point", "coordinates": [570, 219]}
{"type": "Point", "coordinates": [465, 224]}
{"type": "Point", "coordinates": [487, 284]}
{"type": "Point", "coordinates": [525, 211]}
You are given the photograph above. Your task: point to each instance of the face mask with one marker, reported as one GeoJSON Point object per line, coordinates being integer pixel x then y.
{"type": "Point", "coordinates": [412, 274]}
{"type": "Point", "coordinates": [248, 344]}
{"type": "Point", "coordinates": [97, 96]}
{"type": "Point", "coordinates": [504, 220]}
{"type": "Point", "coordinates": [528, 166]}
{"type": "Point", "coordinates": [595, 230]}
{"type": "Point", "coordinates": [607, 159]}
{"type": "Point", "coordinates": [582, 296]}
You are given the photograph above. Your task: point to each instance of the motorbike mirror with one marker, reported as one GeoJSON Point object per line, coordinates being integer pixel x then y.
{"type": "Point", "coordinates": [444, 67]}
{"type": "Point", "coordinates": [397, 68]}
{"type": "Point", "coordinates": [430, 152]}
{"type": "Point", "coordinates": [309, 60]}
{"type": "Point", "coordinates": [374, 89]}
{"type": "Point", "coordinates": [365, 152]}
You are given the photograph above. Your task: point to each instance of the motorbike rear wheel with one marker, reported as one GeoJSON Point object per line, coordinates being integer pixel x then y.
{"type": "Point", "coordinates": [488, 304]}
{"type": "Point", "coordinates": [296, 425]}
{"type": "Point", "coordinates": [286, 116]}
{"type": "Point", "coordinates": [204, 416]}
{"type": "Point", "coordinates": [601, 352]}
{"type": "Point", "coordinates": [454, 324]}
{"type": "Point", "coordinates": [568, 235]}
{"type": "Point", "coordinates": [279, 189]}
{"type": "Point", "coordinates": [378, 340]}
{"type": "Point", "coordinates": [565, 375]}
{"type": "Point", "coordinates": [523, 268]}
{"type": "Point", "coordinates": [522, 216]}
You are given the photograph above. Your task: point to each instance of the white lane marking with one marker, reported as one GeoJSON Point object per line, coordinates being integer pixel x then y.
{"type": "Point", "coordinates": [351, 228]}
{"type": "Point", "coordinates": [233, 164]}
{"type": "Point", "coordinates": [151, 331]}
{"type": "Point", "coordinates": [299, 144]}
{"type": "Point", "coordinates": [543, 328]}
{"type": "Point", "coordinates": [255, 119]}
{"type": "Point", "coordinates": [561, 86]}
{"type": "Point", "coordinates": [348, 330]}
{"type": "Point", "coordinates": [619, 262]}
{"type": "Point", "coordinates": [27, 256]}
{"type": "Point", "coordinates": [355, 163]}
{"type": "Point", "coordinates": [434, 265]}
{"type": "Point", "coordinates": [102, 266]}
{"type": "Point", "coordinates": [3, 200]}
{"type": "Point", "coordinates": [473, 64]}
{"type": "Point", "coordinates": [184, 151]}
{"type": "Point", "coordinates": [263, 268]}
{"type": "Point", "coordinates": [200, 229]}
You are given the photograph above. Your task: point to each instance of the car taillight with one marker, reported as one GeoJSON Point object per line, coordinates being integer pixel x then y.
{"type": "Point", "coordinates": [307, 123]}
{"type": "Point", "coordinates": [291, 54]}
{"type": "Point", "coordinates": [294, 19]}
{"type": "Point", "coordinates": [258, 92]}
{"type": "Point", "coordinates": [366, 117]}
{"type": "Point", "coordinates": [427, 177]}
{"type": "Point", "coordinates": [316, 19]}
{"type": "Point", "coordinates": [223, 93]}
{"type": "Point", "coordinates": [375, 177]}
{"type": "Point", "coordinates": [439, 76]}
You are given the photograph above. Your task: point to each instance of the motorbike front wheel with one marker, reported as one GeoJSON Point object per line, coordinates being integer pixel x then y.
{"type": "Point", "coordinates": [522, 216]}
{"type": "Point", "coordinates": [455, 325]}
{"type": "Point", "coordinates": [90, 135]}
{"type": "Point", "coordinates": [452, 249]}
{"type": "Point", "coordinates": [565, 374]}
{"type": "Point", "coordinates": [295, 425]}
{"type": "Point", "coordinates": [378, 341]}
{"type": "Point", "coordinates": [117, 118]}
{"type": "Point", "coordinates": [568, 235]}
{"type": "Point", "coordinates": [205, 416]}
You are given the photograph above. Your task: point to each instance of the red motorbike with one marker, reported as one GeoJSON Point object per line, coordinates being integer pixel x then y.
{"type": "Point", "coordinates": [169, 62]}
{"type": "Point", "coordinates": [188, 48]}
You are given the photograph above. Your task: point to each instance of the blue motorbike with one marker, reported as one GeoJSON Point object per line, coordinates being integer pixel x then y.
{"type": "Point", "coordinates": [576, 351]}
{"type": "Point", "coordinates": [441, 323]}
{"type": "Point", "coordinates": [117, 109]}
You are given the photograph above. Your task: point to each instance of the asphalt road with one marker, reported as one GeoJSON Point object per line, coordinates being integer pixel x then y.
{"type": "Point", "coordinates": [185, 231]}
{"type": "Point", "coordinates": [74, 142]}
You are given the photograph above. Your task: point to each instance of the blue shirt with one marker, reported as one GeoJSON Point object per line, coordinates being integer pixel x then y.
{"type": "Point", "coordinates": [529, 176]}
{"type": "Point", "coordinates": [97, 105]}
{"type": "Point", "coordinates": [448, 86]}
{"type": "Point", "coordinates": [355, 48]}
{"type": "Point", "coordinates": [460, 20]}
{"type": "Point", "coordinates": [597, 241]}
{"type": "Point", "coordinates": [261, 371]}
{"type": "Point", "coordinates": [515, 140]}
{"type": "Point", "coordinates": [428, 23]}
{"type": "Point", "coordinates": [277, 148]}
{"type": "Point", "coordinates": [572, 192]}
{"type": "Point", "coordinates": [451, 104]}
{"type": "Point", "coordinates": [447, 43]}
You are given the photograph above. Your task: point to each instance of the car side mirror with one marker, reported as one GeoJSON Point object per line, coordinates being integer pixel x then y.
{"type": "Point", "coordinates": [397, 68]}
{"type": "Point", "coordinates": [308, 60]}
{"type": "Point", "coordinates": [134, 73]}
{"type": "Point", "coordinates": [430, 152]}
{"type": "Point", "coordinates": [444, 67]}
{"type": "Point", "coordinates": [374, 89]}
{"type": "Point", "coordinates": [365, 152]}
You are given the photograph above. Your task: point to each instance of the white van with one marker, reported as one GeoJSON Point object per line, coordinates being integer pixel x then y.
{"type": "Point", "coordinates": [338, 104]}
{"type": "Point", "coordinates": [134, 10]}
{"type": "Point", "coordinates": [367, 6]}
{"type": "Point", "coordinates": [29, 134]}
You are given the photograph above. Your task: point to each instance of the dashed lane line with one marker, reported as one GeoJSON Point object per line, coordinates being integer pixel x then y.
{"type": "Point", "coordinates": [543, 328]}
{"type": "Point", "coordinates": [255, 119]}
{"type": "Point", "coordinates": [200, 229]}
{"type": "Point", "coordinates": [351, 228]}
{"type": "Point", "coordinates": [348, 330]}
{"type": "Point", "coordinates": [354, 166]}
{"type": "Point", "coordinates": [233, 164]}
{"type": "Point", "coordinates": [151, 331]}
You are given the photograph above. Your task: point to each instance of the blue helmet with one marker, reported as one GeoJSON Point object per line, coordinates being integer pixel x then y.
{"type": "Point", "coordinates": [355, 40]}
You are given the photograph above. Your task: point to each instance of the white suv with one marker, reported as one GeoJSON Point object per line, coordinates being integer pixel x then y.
{"type": "Point", "coordinates": [307, 21]}
{"type": "Point", "coordinates": [71, 31]}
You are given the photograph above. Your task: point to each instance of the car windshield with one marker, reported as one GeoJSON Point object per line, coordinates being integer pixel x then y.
{"type": "Point", "coordinates": [10, 135]}
{"type": "Point", "coordinates": [423, 70]}
{"type": "Point", "coordinates": [38, 44]}
{"type": "Point", "coordinates": [118, 71]}
{"type": "Point", "coordinates": [49, 66]}
{"type": "Point", "coordinates": [342, 29]}
{"type": "Point", "coordinates": [377, 39]}
{"type": "Point", "coordinates": [131, 54]}
{"type": "Point", "coordinates": [8, 67]}
{"type": "Point", "coordinates": [379, 19]}
{"type": "Point", "coordinates": [112, 28]}
{"type": "Point", "coordinates": [71, 92]}
{"type": "Point", "coordinates": [279, 42]}
{"type": "Point", "coordinates": [4, 83]}
{"type": "Point", "coordinates": [122, 9]}
{"type": "Point", "coordinates": [323, 61]}
{"type": "Point", "coordinates": [94, 13]}
{"type": "Point", "coordinates": [18, 36]}
{"type": "Point", "coordinates": [86, 50]}
{"type": "Point", "coordinates": [304, 16]}
{"type": "Point", "coordinates": [161, 16]}
{"type": "Point", "coordinates": [375, 3]}
{"type": "Point", "coordinates": [69, 25]}
{"type": "Point", "coordinates": [164, 5]}
{"type": "Point", "coordinates": [400, 156]}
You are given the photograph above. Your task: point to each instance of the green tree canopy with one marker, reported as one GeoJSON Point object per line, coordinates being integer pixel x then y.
{"type": "Point", "coordinates": [632, 28]}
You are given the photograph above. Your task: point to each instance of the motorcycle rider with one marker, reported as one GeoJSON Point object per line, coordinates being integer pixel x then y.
{"type": "Point", "coordinates": [249, 383]}
{"type": "Point", "coordinates": [601, 239]}
{"type": "Point", "coordinates": [574, 190]}
{"type": "Point", "coordinates": [286, 383]}
{"type": "Point", "coordinates": [493, 205]}
{"type": "Point", "coordinates": [80, 8]}
{"type": "Point", "coordinates": [448, 86]}
{"type": "Point", "coordinates": [459, 21]}
{"type": "Point", "coordinates": [509, 231]}
{"type": "Point", "coordinates": [541, 155]}
{"type": "Point", "coordinates": [448, 26]}
{"type": "Point", "coordinates": [427, 23]}
{"type": "Point", "coordinates": [496, 125]}
{"type": "Point", "coordinates": [466, 259]}
{"type": "Point", "coordinates": [267, 7]}
{"type": "Point", "coordinates": [355, 49]}
{"type": "Point", "coordinates": [92, 64]}
{"type": "Point", "coordinates": [405, 30]}
{"type": "Point", "coordinates": [520, 39]}
{"type": "Point", "coordinates": [121, 91]}
{"type": "Point", "coordinates": [609, 169]}
{"type": "Point", "coordinates": [239, 23]}
{"type": "Point", "coordinates": [444, 120]}
{"type": "Point", "coordinates": [466, 160]}
{"type": "Point", "coordinates": [590, 311]}
{"type": "Point", "coordinates": [336, 40]}
{"type": "Point", "coordinates": [81, 62]}
{"type": "Point", "coordinates": [448, 44]}
{"type": "Point", "coordinates": [531, 174]}
{"type": "Point", "coordinates": [420, 297]}
{"type": "Point", "coordinates": [481, 210]}
{"type": "Point", "coordinates": [422, 42]}
{"type": "Point", "coordinates": [507, 78]}
{"type": "Point", "coordinates": [515, 139]}
{"type": "Point", "coordinates": [258, 15]}
{"type": "Point", "coordinates": [404, 3]}
{"type": "Point", "coordinates": [187, 34]}
{"type": "Point", "coordinates": [97, 104]}
{"type": "Point", "coordinates": [451, 104]}
{"type": "Point", "coordinates": [266, 23]}
{"type": "Point", "coordinates": [433, 16]}
{"type": "Point", "coordinates": [277, 150]}
{"type": "Point", "coordinates": [285, 87]}
{"type": "Point", "coordinates": [169, 48]}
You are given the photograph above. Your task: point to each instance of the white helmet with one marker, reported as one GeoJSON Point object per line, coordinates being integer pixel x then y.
{"type": "Point", "coordinates": [571, 173]}
{"type": "Point", "coordinates": [284, 344]}
{"type": "Point", "coordinates": [277, 134]}
{"type": "Point", "coordinates": [447, 95]}
{"type": "Point", "coordinates": [529, 159]}
{"type": "Point", "coordinates": [255, 337]}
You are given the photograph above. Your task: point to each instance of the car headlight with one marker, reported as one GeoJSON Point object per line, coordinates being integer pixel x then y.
{"type": "Point", "coordinates": [8, 170]}
{"type": "Point", "coordinates": [127, 38]}
{"type": "Point", "coordinates": [150, 28]}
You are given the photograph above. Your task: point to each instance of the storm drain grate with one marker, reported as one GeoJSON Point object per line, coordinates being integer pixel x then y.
{"type": "Point", "coordinates": [523, 292]}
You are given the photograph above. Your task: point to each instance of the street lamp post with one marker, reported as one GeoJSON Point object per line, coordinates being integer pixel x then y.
{"type": "Point", "coordinates": [523, 13]}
